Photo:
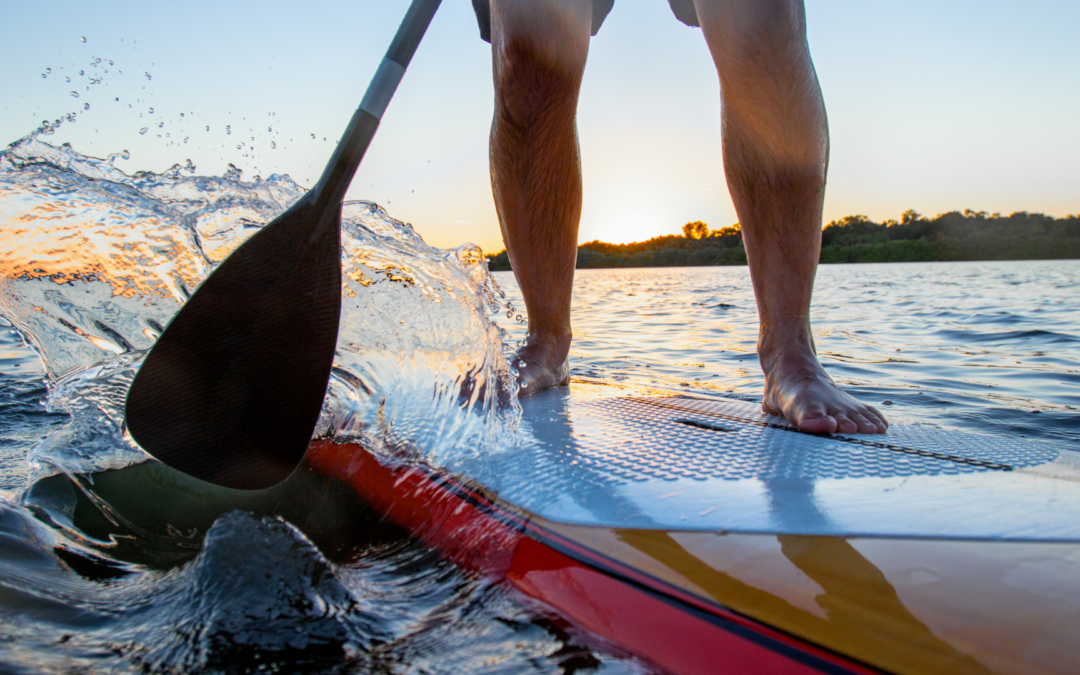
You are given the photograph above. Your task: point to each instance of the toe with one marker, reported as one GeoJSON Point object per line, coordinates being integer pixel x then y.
{"type": "Point", "coordinates": [877, 418]}
{"type": "Point", "coordinates": [864, 423]}
{"type": "Point", "coordinates": [826, 424]}
{"type": "Point", "coordinates": [846, 425]}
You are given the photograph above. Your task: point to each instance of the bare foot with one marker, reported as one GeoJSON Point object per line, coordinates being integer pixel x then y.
{"type": "Point", "coordinates": [546, 363]}
{"type": "Point", "coordinates": [798, 389]}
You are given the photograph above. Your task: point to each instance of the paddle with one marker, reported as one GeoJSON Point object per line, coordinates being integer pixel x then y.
{"type": "Point", "coordinates": [232, 390]}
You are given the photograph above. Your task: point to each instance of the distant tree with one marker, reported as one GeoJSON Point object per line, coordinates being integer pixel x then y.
{"type": "Point", "coordinates": [726, 231]}
{"type": "Point", "coordinates": [695, 230]}
{"type": "Point", "coordinates": [910, 216]}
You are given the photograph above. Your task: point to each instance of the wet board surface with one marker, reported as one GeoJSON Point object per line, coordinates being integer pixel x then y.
{"type": "Point", "coordinates": [612, 459]}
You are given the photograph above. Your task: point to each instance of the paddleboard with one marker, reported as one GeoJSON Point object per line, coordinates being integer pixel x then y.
{"type": "Point", "coordinates": [704, 536]}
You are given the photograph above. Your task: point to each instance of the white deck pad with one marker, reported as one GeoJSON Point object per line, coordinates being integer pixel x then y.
{"type": "Point", "coordinates": [625, 459]}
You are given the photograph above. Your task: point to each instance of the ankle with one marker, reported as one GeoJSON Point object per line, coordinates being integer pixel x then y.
{"type": "Point", "coordinates": [548, 347]}
{"type": "Point", "coordinates": [783, 340]}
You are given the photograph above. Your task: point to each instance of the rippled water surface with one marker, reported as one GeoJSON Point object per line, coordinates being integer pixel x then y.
{"type": "Point", "coordinates": [109, 563]}
{"type": "Point", "coordinates": [991, 347]}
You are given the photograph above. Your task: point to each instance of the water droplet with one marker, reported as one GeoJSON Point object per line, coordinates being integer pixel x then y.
{"type": "Point", "coordinates": [312, 136]}
{"type": "Point", "coordinates": [208, 127]}
{"type": "Point", "coordinates": [86, 106]}
{"type": "Point", "coordinates": [181, 114]}
{"type": "Point", "coordinates": [160, 124]}
{"type": "Point", "coordinates": [74, 94]}
{"type": "Point", "coordinates": [147, 75]}
{"type": "Point", "coordinates": [522, 364]}
{"type": "Point", "coordinates": [186, 138]}
{"type": "Point", "coordinates": [239, 146]}
{"type": "Point", "coordinates": [117, 99]}
{"type": "Point", "coordinates": [269, 128]}
{"type": "Point", "coordinates": [48, 71]}
{"type": "Point", "coordinates": [110, 62]}
{"type": "Point", "coordinates": [228, 130]}
{"type": "Point", "coordinates": [143, 130]}
{"type": "Point", "coordinates": [82, 72]}
{"type": "Point", "coordinates": [151, 111]}
{"type": "Point", "coordinates": [67, 79]}
{"type": "Point", "coordinates": [273, 145]}
{"type": "Point", "coordinates": [43, 76]}
{"type": "Point", "coordinates": [83, 40]}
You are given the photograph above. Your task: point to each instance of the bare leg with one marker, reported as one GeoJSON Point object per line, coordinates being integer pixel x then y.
{"type": "Point", "coordinates": [776, 149]}
{"type": "Point", "coordinates": [538, 52]}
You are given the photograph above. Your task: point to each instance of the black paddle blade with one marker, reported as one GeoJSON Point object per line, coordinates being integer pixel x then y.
{"type": "Point", "coordinates": [232, 390]}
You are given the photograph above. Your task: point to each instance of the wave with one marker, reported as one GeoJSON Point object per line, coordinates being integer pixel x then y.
{"type": "Point", "coordinates": [97, 262]}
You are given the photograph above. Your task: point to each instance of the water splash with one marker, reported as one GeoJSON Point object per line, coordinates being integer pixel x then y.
{"type": "Point", "coordinates": [98, 261]}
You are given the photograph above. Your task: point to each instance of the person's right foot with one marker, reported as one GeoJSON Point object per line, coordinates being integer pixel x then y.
{"type": "Point", "coordinates": [542, 363]}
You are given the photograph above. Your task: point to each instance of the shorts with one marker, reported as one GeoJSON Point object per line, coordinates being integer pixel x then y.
{"type": "Point", "coordinates": [683, 9]}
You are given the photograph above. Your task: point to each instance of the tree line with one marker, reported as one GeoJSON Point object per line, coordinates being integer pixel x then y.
{"type": "Point", "coordinates": [971, 235]}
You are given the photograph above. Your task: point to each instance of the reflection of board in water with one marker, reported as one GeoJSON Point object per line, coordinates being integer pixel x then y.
{"type": "Point", "coordinates": [706, 537]}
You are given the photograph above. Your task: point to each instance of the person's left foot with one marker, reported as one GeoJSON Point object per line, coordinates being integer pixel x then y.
{"type": "Point", "coordinates": [798, 389]}
{"type": "Point", "coordinates": [542, 363]}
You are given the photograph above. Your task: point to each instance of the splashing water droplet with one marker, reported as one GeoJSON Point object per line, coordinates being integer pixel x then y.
{"type": "Point", "coordinates": [82, 72]}
{"type": "Point", "coordinates": [181, 114]}
{"type": "Point", "coordinates": [208, 127]}
{"type": "Point", "coordinates": [74, 94]}
{"type": "Point", "coordinates": [186, 138]}
{"type": "Point", "coordinates": [143, 130]}
{"type": "Point", "coordinates": [312, 136]}
{"type": "Point", "coordinates": [273, 145]}
{"type": "Point", "coordinates": [269, 128]}
{"type": "Point", "coordinates": [48, 71]}
{"type": "Point", "coordinates": [160, 124]}
{"type": "Point", "coordinates": [521, 364]}
{"type": "Point", "coordinates": [83, 40]}
{"type": "Point", "coordinates": [86, 106]}
{"type": "Point", "coordinates": [67, 79]}
{"type": "Point", "coordinates": [151, 111]}
{"type": "Point", "coordinates": [148, 76]}
{"type": "Point", "coordinates": [228, 130]}
{"type": "Point", "coordinates": [233, 173]}
{"type": "Point", "coordinates": [117, 99]}
{"type": "Point", "coordinates": [239, 146]}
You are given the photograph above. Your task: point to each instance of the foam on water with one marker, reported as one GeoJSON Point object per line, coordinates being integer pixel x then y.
{"type": "Point", "coordinates": [96, 262]}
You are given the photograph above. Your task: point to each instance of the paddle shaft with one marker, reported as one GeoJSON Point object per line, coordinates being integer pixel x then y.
{"type": "Point", "coordinates": [365, 121]}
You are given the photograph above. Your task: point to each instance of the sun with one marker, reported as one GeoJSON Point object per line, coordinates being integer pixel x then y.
{"type": "Point", "coordinates": [622, 227]}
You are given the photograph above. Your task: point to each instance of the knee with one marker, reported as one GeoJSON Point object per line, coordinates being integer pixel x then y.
{"type": "Point", "coordinates": [539, 50]}
{"type": "Point", "coordinates": [754, 33]}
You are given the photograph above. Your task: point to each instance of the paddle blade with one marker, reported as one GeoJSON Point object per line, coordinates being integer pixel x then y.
{"type": "Point", "coordinates": [232, 390]}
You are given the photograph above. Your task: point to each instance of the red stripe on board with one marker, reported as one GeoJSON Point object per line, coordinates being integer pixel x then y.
{"type": "Point", "coordinates": [476, 533]}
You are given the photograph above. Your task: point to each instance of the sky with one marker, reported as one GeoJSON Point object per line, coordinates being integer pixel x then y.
{"type": "Point", "coordinates": [935, 105]}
